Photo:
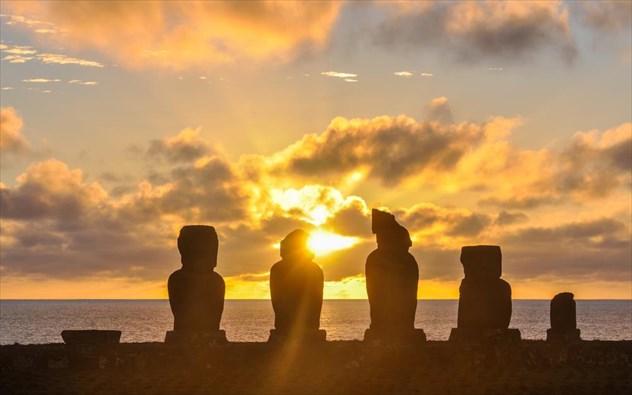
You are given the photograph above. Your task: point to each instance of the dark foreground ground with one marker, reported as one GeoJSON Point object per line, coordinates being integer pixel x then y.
{"type": "Point", "coordinates": [343, 367]}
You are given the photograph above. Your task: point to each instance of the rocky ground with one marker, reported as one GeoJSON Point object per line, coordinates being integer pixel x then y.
{"type": "Point", "coordinates": [338, 367]}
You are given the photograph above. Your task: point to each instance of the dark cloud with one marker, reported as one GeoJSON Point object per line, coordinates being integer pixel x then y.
{"type": "Point", "coordinates": [187, 146]}
{"type": "Point", "coordinates": [606, 16]}
{"type": "Point", "coordinates": [49, 190]}
{"type": "Point", "coordinates": [55, 224]}
{"type": "Point", "coordinates": [351, 220]}
{"type": "Point", "coordinates": [594, 165]}
{"type": "Point", "coordinates": [454, 222]}
{"type": "Point", "coordinates": [575, 233]}
{"type": "Point", "coordinates": [598, 248]}
{"type": "Point", "coordinates": [438, 109]}
{"type": "Point", "coordinates": [522, 202]}
{"type": "Point", "coordinates": [479, 31]}
{"type": "Point", "coordinates": [506, 218]}
{"type": "Point", "coordinates": [393, 149]}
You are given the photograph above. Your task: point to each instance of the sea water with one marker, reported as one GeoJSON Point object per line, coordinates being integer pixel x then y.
{"type": "Point", "coordinates": [41, 321]}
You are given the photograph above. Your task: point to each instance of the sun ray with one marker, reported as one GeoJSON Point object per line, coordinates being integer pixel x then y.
{"type": "Point", "coordinates": [323, 243]}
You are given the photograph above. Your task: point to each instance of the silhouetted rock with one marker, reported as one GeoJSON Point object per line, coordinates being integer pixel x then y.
{"type": "Point", "coordinates": [91, 349]}
{"type": "Point", "coordinates": [485, 299]}
{"type": "Point", "coordinates": [392, 275]}
{"type": "Point", "coordinates": [296, 289]}
{"type": "Point", "coordinates": [91, 336]}
{"type": "Point", "coordinates": [196, 292]}
{"type": "Point", "coordinates": [563, 319]}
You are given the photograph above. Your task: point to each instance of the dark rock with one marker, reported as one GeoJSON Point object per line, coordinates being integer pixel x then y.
{"type": "Point", "coordinates": [484, 299]}
{"type": "Point", "coordinates": [392, 275]}
{"type": "Point", "coordinates": [92, 336]}
{"type": "Point", "coordinates": [195, 339]}
{"type": "Point", "coordinates": [296, 289]}
{"type": "Point", "coordinates": [407, 337]}
{"type": "Point", "coordinates": [196, 292]}
{"type": "Point", "coordinates": [488, 335]}
{"type": "Point", "coordinates": [91, 349]}
{"type": "Point", "coordinates": [563, 319]}
{"type": "Point", "coordinates": [308, 336]}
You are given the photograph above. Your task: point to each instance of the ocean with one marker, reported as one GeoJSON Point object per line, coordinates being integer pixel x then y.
{"type": "Point", "coordinates": [41, 321]}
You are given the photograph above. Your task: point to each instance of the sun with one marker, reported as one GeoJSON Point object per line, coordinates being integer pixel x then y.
{"type": "Point", "coordinates": [322, 243]}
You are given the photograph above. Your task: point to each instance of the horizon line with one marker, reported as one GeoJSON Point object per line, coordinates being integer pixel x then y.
{"type": "Point", "coordinates": [246, 299]}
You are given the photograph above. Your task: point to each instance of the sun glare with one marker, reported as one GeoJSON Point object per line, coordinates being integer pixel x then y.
{"type": "Point", "coordinates": [322, 243]}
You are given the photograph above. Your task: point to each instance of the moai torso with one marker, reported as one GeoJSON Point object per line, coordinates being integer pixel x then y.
{"type": "Point", "coordinates": [391, 277]}
{"type": "Point", "coordinates": [296, 286]}
{"type": "Point", "coordinates": [485, 299]}
{"type": "Point", "coordinates": [196, 292]}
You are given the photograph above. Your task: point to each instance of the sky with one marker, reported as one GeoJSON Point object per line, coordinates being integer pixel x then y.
{"type": "Point", "coordinates": [487, 122]}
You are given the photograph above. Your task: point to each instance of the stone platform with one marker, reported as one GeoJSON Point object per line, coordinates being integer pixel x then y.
{"type": "Point", "coordinates": [333, 367]}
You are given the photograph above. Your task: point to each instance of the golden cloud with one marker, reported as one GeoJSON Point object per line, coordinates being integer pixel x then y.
{"type": "Point", "coordinates": [183, 34]}
{"type": "Point", "coordinates": [11, 138]}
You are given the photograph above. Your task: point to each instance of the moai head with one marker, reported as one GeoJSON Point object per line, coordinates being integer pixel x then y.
{"type": "Point", "coordinates": [389, 234]}
{"type": "Point", "coordinates": [294, 246]}
{"type": "Point", "coordinates": [198, 246]}
{"type": "Point", "coordinates": [481, 261]}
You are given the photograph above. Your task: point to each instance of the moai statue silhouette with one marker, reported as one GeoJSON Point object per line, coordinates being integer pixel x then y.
{"type": "Point", "coordinates": [196, 291]}
{"type": "Point", "coordinates": [296, 290]}
{"type": "Point", "coordinates": [392, 276]}
{"type": "Point", "coordinates": [485, 299]}
{"type": "Point", "coordinates": [563, 319]}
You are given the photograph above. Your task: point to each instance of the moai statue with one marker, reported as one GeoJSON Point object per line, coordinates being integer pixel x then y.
{"type": "Point", "coordinates": [563, 319]}
{"type": "Point", "coordinates": [485, 299]}
{"type": "Point", "coordinates": [196, 292]}
{"type": "Point", "coordinates": [296, 290]}
{"type": "Point", "coordinates": [392, 275]}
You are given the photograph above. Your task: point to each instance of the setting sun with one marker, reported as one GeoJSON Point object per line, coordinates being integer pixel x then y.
{"type": "Point", "coordinates": [322, 243]}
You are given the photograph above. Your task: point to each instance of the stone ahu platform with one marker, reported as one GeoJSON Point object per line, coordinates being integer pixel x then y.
{"type": "Point", "coordinates": [334, 367]}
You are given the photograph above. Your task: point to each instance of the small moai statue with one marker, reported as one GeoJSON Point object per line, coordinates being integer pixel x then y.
{"type": "Point", "coordinates": [392, 276]}
{"type": "Point", "coordinates": [563, 319]}
{"type": "Point", "coordinates": [485, 299]}
{"type": "Point", "coordinates": [296, 290]}
{"type": "Point", "coordinates": [196, 291]}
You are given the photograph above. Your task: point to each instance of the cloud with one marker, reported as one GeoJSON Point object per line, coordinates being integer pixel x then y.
{"type": "Point", "coordinates": [50, 58]}
{"type": "Point", "coordinates": [86, 83]}
{"type": "Point", "coordinates": [592, 166]}
{"type": "Point", "coordinates": [186, 146]}
{"type": "Point", "coordinates": [439, 110]}
{"type": "Point", "coordinates": [37, 26]}
{"type": "Point", "coordinates": [50, 190]}
{"type": "Point", "coordinates": [180, 35]}
{"type": "Point", "coordinates": [389, 149]}
{"type": "Point", "coordinates": [606, 16]}
{"type": "Point", "coordinates": [505, 218]}
{"type": "Point", "coordinates": [338, 74]}
{"type": "Point", "coordinates": [18, 50]}
{"type": "Point", "coordinates": [595, 248]}
{"type": "Point", "coordinates": [56, 224]}
{"type": "Point", "coordinates": [41, 80]}
{"type": "Point", "coordinates": [475, 31]}
{"type": "Point", "coordinates": [406, 74]}
{"type": "Point", "coordinates": [23, 54]}
{"type": "Point", "coordinates": [11, 138]}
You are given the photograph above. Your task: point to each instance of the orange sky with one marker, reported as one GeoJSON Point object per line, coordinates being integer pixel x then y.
{"type": "Point", "coordinates": [122, 123]}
